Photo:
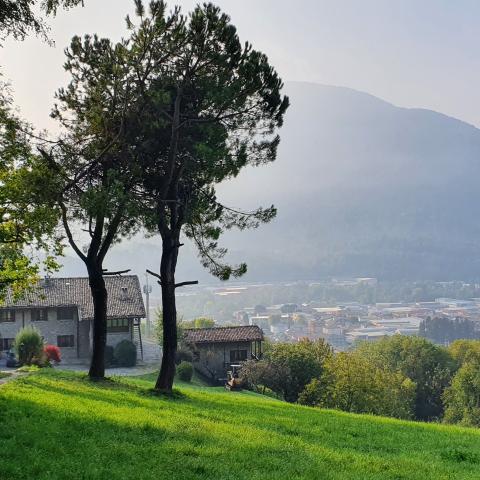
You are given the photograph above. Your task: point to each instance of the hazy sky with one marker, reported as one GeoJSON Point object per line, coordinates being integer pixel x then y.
{"type": "Point", "coordinates": [421, 53]}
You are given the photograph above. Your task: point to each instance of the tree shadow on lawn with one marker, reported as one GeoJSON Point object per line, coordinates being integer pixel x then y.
{"type": "Point", "coordinates": [369, 434]}
{"type": "Point", "coordinates": [217, 422]}
{"type": "Point", "coordinates": [39, 441]}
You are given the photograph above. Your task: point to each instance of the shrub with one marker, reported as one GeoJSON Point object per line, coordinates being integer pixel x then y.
{"type": "Point", "coordinates": [183, 355]}
{"type": "Point", "coordinates": [464, 350]}
{"type": "Point", "coordinates": [28, 346]}
{"type": "Point", "coordinates": [109, 355]}
{"type": "Point", "coordinates": [462, 398]}
{"type": "Point", "coordinates": [429, 366]}
{"type": "Point", "coordinates": [53, 353]}
{"type": "Point", "coordinates": [295, 365]}
{"type": "Point", "coordinates": [185, 371]}
{"type": "Point", "coordinates": [353, 383]}
{"type": "Point", "coordinates": [125, 354]}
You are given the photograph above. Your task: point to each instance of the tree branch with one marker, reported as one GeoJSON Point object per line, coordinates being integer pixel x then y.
{"type": "Point", "coordinates": [71, 241]}
{"type": "Point", "coordinates": [153, 274]}
{"type": "Point", "coordinates": [119, 272]}
{"type": "Point", "coordinates": [183, 284]}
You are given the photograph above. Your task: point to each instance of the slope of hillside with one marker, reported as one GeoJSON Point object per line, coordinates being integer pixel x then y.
{"type": "Point", "coordinates": [57, 425]}
{"type": "Point", "coordinates": [363, 188]}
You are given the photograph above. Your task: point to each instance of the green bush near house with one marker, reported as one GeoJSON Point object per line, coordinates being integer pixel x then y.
{"type": "Point", "coordinates": [29, 346]}
{"type": "Point", "coordinates": [183, 355]}
{"type": "Point", "coordinates": [109, 356]}
{"type": "Point", "coordinates": [125, 354]}
{"type": "Point", "coordinates": [185, 372]}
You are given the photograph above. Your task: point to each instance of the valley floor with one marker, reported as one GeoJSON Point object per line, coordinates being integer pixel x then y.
{"type": "Point", "coordinates": [58, 425]}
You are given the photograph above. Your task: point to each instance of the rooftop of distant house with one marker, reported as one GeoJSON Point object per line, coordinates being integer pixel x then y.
{"type": "Point", "coordinates": [124, 296]}
{"type": "Point", "coordinates": [247, 333]}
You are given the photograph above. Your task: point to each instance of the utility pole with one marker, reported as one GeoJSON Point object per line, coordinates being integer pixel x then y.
{"type": "Point", "coordinates": [147, 290]}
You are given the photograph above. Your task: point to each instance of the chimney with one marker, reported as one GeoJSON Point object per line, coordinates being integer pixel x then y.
{"type": "Point", "coordinates": [124, 294]}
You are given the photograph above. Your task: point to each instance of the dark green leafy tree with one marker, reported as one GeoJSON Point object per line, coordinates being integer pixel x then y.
{"type": "Point", "coordinates": [151, 124]}
{"type": "Point", "coordinates": [29, 240]}
{"type": "Point", "coordinates": [444, 330]}
{"type": "Point", "coordinates": [464, 350]}
{"type": "Point", "coordinates": [212, 107]}
{"type": "Point", "coordinates": [95, 165]}
{"type": "Point", "coordinates": [353, 383]}
{"type": "Point", "coordinates": [287, 368]}
{"type": "Point", "coordinates": [18, 18]}
{"type": "Point", "coordinates": [429, 366]}
{"type": "Point", "coordinates": [27, 231]}
{"type": "Point", "coordinates": [96, 160]}
{"type": "Point", "coordinates": [462, 398]}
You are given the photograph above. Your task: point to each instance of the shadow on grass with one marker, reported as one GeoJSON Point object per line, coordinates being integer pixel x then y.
{"type": "Point", "coordinates": [204, 435]}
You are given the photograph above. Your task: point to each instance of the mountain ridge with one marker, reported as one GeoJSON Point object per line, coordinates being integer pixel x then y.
{"type": "Point", "coordinates": [363, 188]}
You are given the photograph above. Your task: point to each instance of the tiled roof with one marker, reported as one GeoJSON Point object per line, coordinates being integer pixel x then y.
{"type": "Point", "coordinates": [248, 333]}
{"type": "Point", "coordinates": [124, 296]}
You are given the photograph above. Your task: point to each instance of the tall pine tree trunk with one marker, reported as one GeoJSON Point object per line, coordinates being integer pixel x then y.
{"type": "Point", "coordinates": [100, 297]}
{"type": "Point", "coordinates": [167, 274]}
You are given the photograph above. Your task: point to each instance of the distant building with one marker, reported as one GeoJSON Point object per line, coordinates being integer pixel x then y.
{"type": "Point", "coordinates": [216, 349]}
{"type": "Point", "coordinates": [61, 309]}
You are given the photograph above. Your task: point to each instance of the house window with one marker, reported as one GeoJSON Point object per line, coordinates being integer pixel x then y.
{"type": "Point", "coordinates": [39, 315]}
{"type": "Point", "coordinates": [7, 343]}
{"type": "Point", "coordinates": [7, 315]}
{"type": "Point", "coordinates": [238, 356]}
{"type": "Point", "coordinates": [118, 325]}
{"type": "Point", "coordinates": [65, 313]}
{"type": "Point", "coordinates": [65, 341]}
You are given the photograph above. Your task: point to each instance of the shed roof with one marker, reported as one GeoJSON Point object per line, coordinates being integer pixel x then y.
{"type": "Point", "coordinates": [124, 296]}
{"type": "Point", "coordinates": [247, 333]}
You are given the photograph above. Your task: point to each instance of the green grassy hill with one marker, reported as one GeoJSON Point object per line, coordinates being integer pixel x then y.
{"type": "Point", "coordinates": [58, 425]}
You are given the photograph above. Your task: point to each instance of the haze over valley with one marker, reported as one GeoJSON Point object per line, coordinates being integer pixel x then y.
{"type": "Point", "coordinates": [362, 187]}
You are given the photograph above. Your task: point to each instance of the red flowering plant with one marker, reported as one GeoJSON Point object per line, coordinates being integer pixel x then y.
{"type": "Point", "coordinates": [53, 354]}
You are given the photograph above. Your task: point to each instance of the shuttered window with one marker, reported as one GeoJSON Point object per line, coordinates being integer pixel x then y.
{"type": "Point", "coordinates": [7, 315]}
{"type": "Point", "coordinates": [39, 315]}
{"type": "Point", "coordinates": [65, 341]}
{"type": "Point", "coordinates": [117, 325]}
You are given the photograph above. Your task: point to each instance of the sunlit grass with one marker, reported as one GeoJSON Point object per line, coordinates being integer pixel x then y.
{"type": "Point", "coordinates": [58, 425]}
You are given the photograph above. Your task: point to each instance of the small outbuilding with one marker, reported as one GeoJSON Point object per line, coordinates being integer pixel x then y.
{"type": "Point", "coordinates": [215, 350]}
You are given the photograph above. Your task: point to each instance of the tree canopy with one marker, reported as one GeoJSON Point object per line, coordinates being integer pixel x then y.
{"type": "Point", "coordinates": [18, 18]}
{"type": "Point", "coordinates": [29, 240]}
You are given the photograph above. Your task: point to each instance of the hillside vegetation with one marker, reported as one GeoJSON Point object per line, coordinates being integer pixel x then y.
{"type": "Point", "coordinates": [56, 425]}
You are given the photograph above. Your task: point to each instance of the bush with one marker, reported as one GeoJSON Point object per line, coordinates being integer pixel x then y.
{"type": "Point", "coordinates": [29, 346]}
{"type": "Point", "coordinates": [353, 383]}
{"type": "Point", "coordinates": [125, 354]}
{"type": "Point", "coordinates": [429, 366]}
{"type": "Point", "coordinates": [109, 356]}
{"type": "Point", "coordinates": [295, 365]}
{"type": "Point", "coordinates": [183, 355]}
{"type": "Point", "coordinates": [462, 398]}
{"type": "Point", "coordinates": [185, 371]}
{"type": "Point", "coordinates": [53, 354]}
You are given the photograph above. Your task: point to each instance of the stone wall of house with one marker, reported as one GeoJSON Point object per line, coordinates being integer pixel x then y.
{"type": "Point", "coordinates": [213, 359]}
{"type": "Point", "coordinates": [49, 329]}
{"type": "Point", "coordinates": [53, 327]}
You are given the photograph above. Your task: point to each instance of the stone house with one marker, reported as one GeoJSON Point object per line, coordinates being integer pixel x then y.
{"type": "Point", "coordinates": [216, 349]}
{"type": "Point", "coordinates": [61, 309]}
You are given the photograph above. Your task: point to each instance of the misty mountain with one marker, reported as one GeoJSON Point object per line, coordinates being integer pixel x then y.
{"type": "Point", "coordinates": [363, 188]}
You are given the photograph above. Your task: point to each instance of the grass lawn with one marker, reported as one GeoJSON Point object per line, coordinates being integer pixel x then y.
{"type": "Point", "coordinates": [4, 375]}
{"type": "Point", "coordinates": [58, 425]}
